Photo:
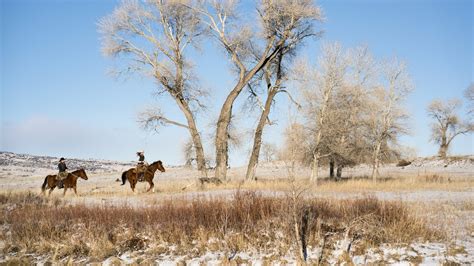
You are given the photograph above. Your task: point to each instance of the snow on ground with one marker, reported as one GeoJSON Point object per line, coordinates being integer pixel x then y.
{"type": "Point", "coordinates": [445, 208]}
{"type": "Point", "coordinates": [407, 254]}
{"type": "Point", "coordinates": [454, 168]}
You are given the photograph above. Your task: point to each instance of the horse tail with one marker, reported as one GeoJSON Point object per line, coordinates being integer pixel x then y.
{"type": "Point", "coordinates": [124, 178]}
{"type": "Point", "coordinates": [43, 187]}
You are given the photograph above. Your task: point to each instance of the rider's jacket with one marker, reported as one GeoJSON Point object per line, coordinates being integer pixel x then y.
{"type": "Point", "coordinates": [62, 167]}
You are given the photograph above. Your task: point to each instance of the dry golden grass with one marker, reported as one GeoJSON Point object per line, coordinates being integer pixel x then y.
{"type": "Point", "coordinates": [247, 220]}
{"type": "Point", "coordinates": [423, 182]}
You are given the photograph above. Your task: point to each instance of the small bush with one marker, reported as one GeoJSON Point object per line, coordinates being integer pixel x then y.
{"type": "Point", "coordinates": [434, 178]}
{"type": "Point", "coordinates": [403, 163]}
{"type": "Point", "coordinates": [247, 220]}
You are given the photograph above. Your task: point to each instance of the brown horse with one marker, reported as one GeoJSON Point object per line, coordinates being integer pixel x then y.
{"type": "Point", "coordinates": [131, 175]}
{"type": "Point", "coordinates": [69, 182]}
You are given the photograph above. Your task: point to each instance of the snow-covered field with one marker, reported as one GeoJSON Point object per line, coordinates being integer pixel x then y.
{"type": "Point", "coordinates": [450, 210]}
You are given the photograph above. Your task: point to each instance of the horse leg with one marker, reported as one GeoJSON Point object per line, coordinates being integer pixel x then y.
{"type": "Point", "coordinates": [133, 183]}
{"type": "Point", "coordinates": [65, 189]}
{"type": "Point", "coordinates": [152, 186]}
{"type": "Point", "coordinates": [50, 190]}
{"type": "Point", "coordinates": [43, 191]}
{"type": "Point", "coordinates": [75, 191]}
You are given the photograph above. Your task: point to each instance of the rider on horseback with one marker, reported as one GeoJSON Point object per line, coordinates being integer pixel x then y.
{"type": "Point", "coordinates": [62, 172]}
{"type": "Point", "coordinates": [141, 166]}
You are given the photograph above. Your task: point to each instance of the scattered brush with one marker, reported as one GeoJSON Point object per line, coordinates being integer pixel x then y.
{"type": "Point", "coordinates": [352, 185]}
{"type": "Point", "coordinates": [403, 163]}
{"type": "Point", "coordinates": [246, 221]}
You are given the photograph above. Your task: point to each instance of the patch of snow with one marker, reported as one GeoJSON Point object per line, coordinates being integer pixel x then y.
{"type": "Point", "coordinates": [127, 258]}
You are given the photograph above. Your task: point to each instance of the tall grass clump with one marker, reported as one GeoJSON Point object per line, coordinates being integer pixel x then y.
{"type": "Point", "coordinates": [246, 221]}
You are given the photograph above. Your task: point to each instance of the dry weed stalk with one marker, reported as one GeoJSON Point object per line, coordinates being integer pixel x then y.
{"type": "Point", "coordinates": [246, 221]}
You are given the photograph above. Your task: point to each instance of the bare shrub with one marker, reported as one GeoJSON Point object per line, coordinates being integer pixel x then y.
{"type": "Point", "coordinates": [403, 163]}
{"type": "Point", "coordinates": [247, 220]}
{"type": "Point", "coordinates": [447, 123]}
{"type": "Point", "coordinates": [434, 178]}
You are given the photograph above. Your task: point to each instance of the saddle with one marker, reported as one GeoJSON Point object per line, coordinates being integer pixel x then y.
{"type": "Point", "coordinates": [62, 175]}
{"type": "Point", "coordinates": [141, 169]}
{"type": "Point", "coordinates": [59, 179]}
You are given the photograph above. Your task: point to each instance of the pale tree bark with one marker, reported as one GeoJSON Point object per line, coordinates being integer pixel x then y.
{"type": "Point", "coordinates": [447, 124]}
{"type": "Point", "coordinates": [272, 91]}
{"type": "Point", "coordinates": [218, 20]}
{"type": "Point", "coordinates": [376, 161]}
{"type": "Point", "coordinates": [195, 136]}
{"type": "Point", "coordinates": [443, 150]}
{"type": "Point", "coordinates": [349, 107]}
{"type": "Point", "coordinates": [295, 144]}
{"type": "Point", "coordinates": [382, 136]}
{"type": "Point", "coordinates": [273, 70]}
{"type": "Point", "coordinates": [284, 23]}
{"type": "Point", "coordinates": [388, 116]}
{"type": "Point", "coordinates": [320, 86]}
{"type": "Point", "coordinates": [257, 141]}
{"type": "Point", "coordinates": [154, 36]}
{"type": "Point", "coordinates": [339, 171]}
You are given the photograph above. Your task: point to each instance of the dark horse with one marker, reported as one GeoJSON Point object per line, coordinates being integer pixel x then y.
{"type": "Point", "coordinates": [69, 182]}
{"type": "Point", "coordinates": [131, 175]}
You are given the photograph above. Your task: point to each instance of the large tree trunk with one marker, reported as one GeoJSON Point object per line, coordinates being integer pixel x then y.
{"type": "Point", "coordinates": [339, 171]}
{"type": "Point", "coordinates": [443, 147]}
{"type": "Point", "coordinates": [222, 132]}
{"type": "Point", "coordinates": [319, 135]}
{"type": "Point", "coordinates": [315, 167]}
{"type": "Point", "coordinates": [257, 141]}
{"type": "Point", "coordinates": [331, 168]}
{"type": "Point", "coordinates": [200, 159]}
{"type": "Point", "coordinates": [443, 151]}
{"type": "Point", "coordinates": [316, 155]}
{"type": "Point", "coordinates": [376, 161]}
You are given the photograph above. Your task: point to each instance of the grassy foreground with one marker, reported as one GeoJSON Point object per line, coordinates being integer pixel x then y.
{"type": "Point", "coordinates": [353, 185]}
{"type": "Point", "coordinates": [32, 224]}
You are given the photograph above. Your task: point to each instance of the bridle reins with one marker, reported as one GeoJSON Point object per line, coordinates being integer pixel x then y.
{"type": "Point", "coordinates": [148, 170]}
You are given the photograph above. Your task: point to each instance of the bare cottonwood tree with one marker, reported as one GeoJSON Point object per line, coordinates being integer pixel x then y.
{"type": "Point", "coordinates": [319, 86]}
{"type": "Point", "coordinates": [188, 153]}
{"type": "Point", "coordinates": [154, 36]}
{"type": "Point", "coordinates": [274, 74]}
{"type": "Point", "coordinates": [447, 124]}
{"type": "Point", "coordinates": [295, 146]}
{"type": "Point", "coordinates": [269, 151]}
{"type": "Point", "coordinates": [283, 23]}
{"type": "Point", "coordinates": [353, 108]}
{"type": "Point", "coordinates": [387, 119]}
{"type": "Point", "coordinates": [272, 90]}
{"type": "Point", "coordinates": [347, 108]}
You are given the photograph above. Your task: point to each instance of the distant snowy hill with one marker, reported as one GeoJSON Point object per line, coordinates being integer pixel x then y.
{"type": "Point", "coordinates": [10, 162]}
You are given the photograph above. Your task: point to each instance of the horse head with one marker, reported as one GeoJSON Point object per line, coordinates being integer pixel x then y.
{"type": "Point", "coordinates": [81, 173]}
{"type": "Point", "coordinates": [157, 165]}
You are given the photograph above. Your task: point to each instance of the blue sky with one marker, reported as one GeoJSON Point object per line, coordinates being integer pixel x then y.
{"type": "Point", "coordinates": [57, 98]}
